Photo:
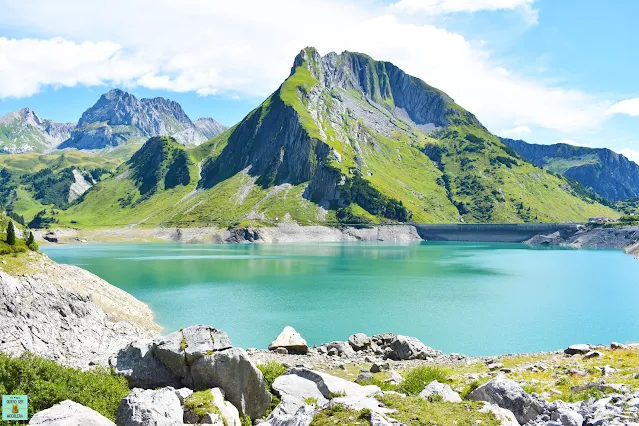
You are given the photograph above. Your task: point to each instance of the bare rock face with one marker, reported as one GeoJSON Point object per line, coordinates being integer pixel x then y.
{"type": "Point", "coordinates": [69, 413]}
{"type": "Point", "coordinates": [79, 186]}
{"type": "Point", "coordinates": [68, 315]}
{"type": "Point", "coordinates": [198, 357]}
{"type": "Point", "coordinates": [290, 340]}
{"type": "Point", "coordinates": [119, 116]}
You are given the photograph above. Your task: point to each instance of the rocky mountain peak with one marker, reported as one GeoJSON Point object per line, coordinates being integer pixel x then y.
{"type": "Point", "coordinates": [119, 116]}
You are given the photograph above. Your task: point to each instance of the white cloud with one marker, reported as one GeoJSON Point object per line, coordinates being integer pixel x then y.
{"type": "Point", "coordinates": [28, 64]}
{"type": "Point", "coordinates": [627, 107]}
{"type": "Point", "coordinates": [246, 47]}
{"type": "Point", "coordinates": [437, 7]}
{"type": "Point", "coordinates": [631, 154]}
{"type": "Point", "coordinates": [516, 131]}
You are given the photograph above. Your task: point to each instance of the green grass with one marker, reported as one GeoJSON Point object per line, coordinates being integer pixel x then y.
{"type": "Point", "coordinates": [415, 380]}
{"type": "Point", "coordinates": [201, 403]}
{"type": "Point", "coordinates": [271, 371]}
{"type": "Point", "coordinates": [340, 415]}
{"type": "Point", "coordinates": [48, 383]}
{"type": "Point", "coordinates": [414, 410]}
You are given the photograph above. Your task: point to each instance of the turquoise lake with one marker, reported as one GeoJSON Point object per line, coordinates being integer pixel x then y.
{"type": "Point", "coordinates": [471, 298]}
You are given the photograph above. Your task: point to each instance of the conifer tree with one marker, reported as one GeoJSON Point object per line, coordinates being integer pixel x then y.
{"type": "Point", "coordinates": [11, 234]}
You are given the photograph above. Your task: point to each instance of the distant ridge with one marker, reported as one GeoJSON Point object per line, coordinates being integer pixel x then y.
{"type": "Point", "coordinates": [608, 173]}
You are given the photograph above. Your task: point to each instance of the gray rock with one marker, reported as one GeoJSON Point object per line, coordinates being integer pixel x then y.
{"type": "Point", "coordinates": [68, 315]}
{"type": "Point", "coordinates": [228, 414]}
{"type": "Point", "coordinates": [183, 393]}
{"type": "Point", "coordinates": [506, 417]}
{"type": "Point", "coordinates": [395, 377]}
{"type": "Point", "coordinates": [443, 390]}
{"type": "Point", "coordinates": [567, 417]}
{"type": "Point", "coordinates": [398, 347]}
{"type": "Point", "coordinates": [364, 377]}
{"type": "Point", "coordinates": [592, 354]}
{"type": "Point", "coordinates": [290, 340]}
{"type": "Point", "coordinates": [330, 385]}
{"type": "Point", "coordinates": [580, 349]}
{"type": "Point", "coordinates": [233, 371]}
{"type": "Point", "coordinates": [341, 349]}
{"type": "Point", "coordinates": [198, 358]}
{"type": "Point", "coordinates": [298, 387]}
{"type": "Point", "coordinates": [508, 394]}
{"type": "Point", "coordinates": [617, 345]}
{"type": "Point", "coordinates": [69, 413]}
{"type": "Point", "coordinates": [359, 341]}
{"type": "Point", "coordinates": [150, 408]}
{"type": "Point", "coordinates": [290, 411]}
{"type": "Point", "coordinates": [137, 363]}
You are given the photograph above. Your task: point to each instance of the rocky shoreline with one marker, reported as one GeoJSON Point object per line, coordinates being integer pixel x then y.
{"type": "Point", "coordinates": [585, 236]}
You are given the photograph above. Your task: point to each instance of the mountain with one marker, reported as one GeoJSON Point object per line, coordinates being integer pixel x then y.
{"type": "Point", "coordinates": [209, 127]}
{"type": "Point", "coordinates": [609, 174]}
{"type": "Point", "coordinates": [118, 117]}
{"type": "Point", "coordinates": [345, 139]}
{"type": "Point", "coordinates": [24, 131]}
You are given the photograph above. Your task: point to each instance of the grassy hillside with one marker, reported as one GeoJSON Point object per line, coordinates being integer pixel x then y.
{"type": "Point", "coordinates": [345, 139]}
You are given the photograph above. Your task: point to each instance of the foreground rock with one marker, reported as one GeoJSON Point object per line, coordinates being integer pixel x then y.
{"type": "Point", "coordinates": [440, 391]}
{"type": "Point", "coordinates": [198, 357]}
{"type": "Point", "coordinates": [69, 413]}
{"type": "Point", "coordinates": [388, 345]}
{"type": "Point", "coordinates": [290, 340]}
{"type": "Point", "coordinates": [507, 394]}
{"type": "Point", "coordinates": [150, 407]}
{"type": "Point", "coordinates": [68, 315]}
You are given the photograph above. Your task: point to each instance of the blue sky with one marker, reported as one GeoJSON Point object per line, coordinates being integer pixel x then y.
{"type": "Point", "coordinates": [541, 70]}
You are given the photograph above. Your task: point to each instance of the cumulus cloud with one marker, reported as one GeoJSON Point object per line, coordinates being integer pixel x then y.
{"type": "Point", "coordinates": [28, 64]}
{"type": "Point", "coordinates": [445, 7]}
{"type": "Point", "coordinates": [246, 47]}
{"type": "Point", "coordinates": [516, 131]}
{"type": "Point", "coordinates": [626, 107]}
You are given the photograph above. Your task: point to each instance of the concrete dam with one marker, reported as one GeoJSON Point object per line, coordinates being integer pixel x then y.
{"type": "Point", "coordinates": [493, 232]}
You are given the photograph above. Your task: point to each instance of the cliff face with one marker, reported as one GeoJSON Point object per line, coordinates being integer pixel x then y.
{"type": "Point", "coordinates": [119, 116]}
{"type": "Point", "coordinates": [609, 174]}
{"type": "Point", "coordinates": [67, 314]}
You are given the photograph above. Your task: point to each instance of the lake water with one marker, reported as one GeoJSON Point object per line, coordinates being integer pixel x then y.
{"type": "Point", "coordinates": [472, 298]}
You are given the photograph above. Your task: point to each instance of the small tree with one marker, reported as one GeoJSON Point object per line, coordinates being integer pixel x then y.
{"type": "Point", "coordinates": [31, 243]}
{"type": "Point", "coordinates": [11, 234]}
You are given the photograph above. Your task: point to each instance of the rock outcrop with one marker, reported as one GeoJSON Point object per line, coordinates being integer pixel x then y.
{"type": "Point", "coordinates": [198, 357]}
{"type": "Point", "coordinates": [69, 413]}
{"type": "Point", "coordinates": [142, 407]}
{"type": "Point", "coordinates": [69, 315]}
{"type": "Point", "coordinates": [389, 345]}
{"type": "Point", "coordinates": [509, 395]}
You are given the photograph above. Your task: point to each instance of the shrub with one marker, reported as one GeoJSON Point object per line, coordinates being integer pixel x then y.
{"type": "Point", "coordinates": [48, 383]}
{"type": "Point", "coordinates": [416, 379]}
{"type": "Point", "coordinates": [271, 371]}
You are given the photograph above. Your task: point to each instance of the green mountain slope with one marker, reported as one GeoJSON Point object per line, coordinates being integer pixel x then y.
{"type": "Point", "coordinates": [609, 174]}
{"type": "Point", "coordinates": [344, 139]}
